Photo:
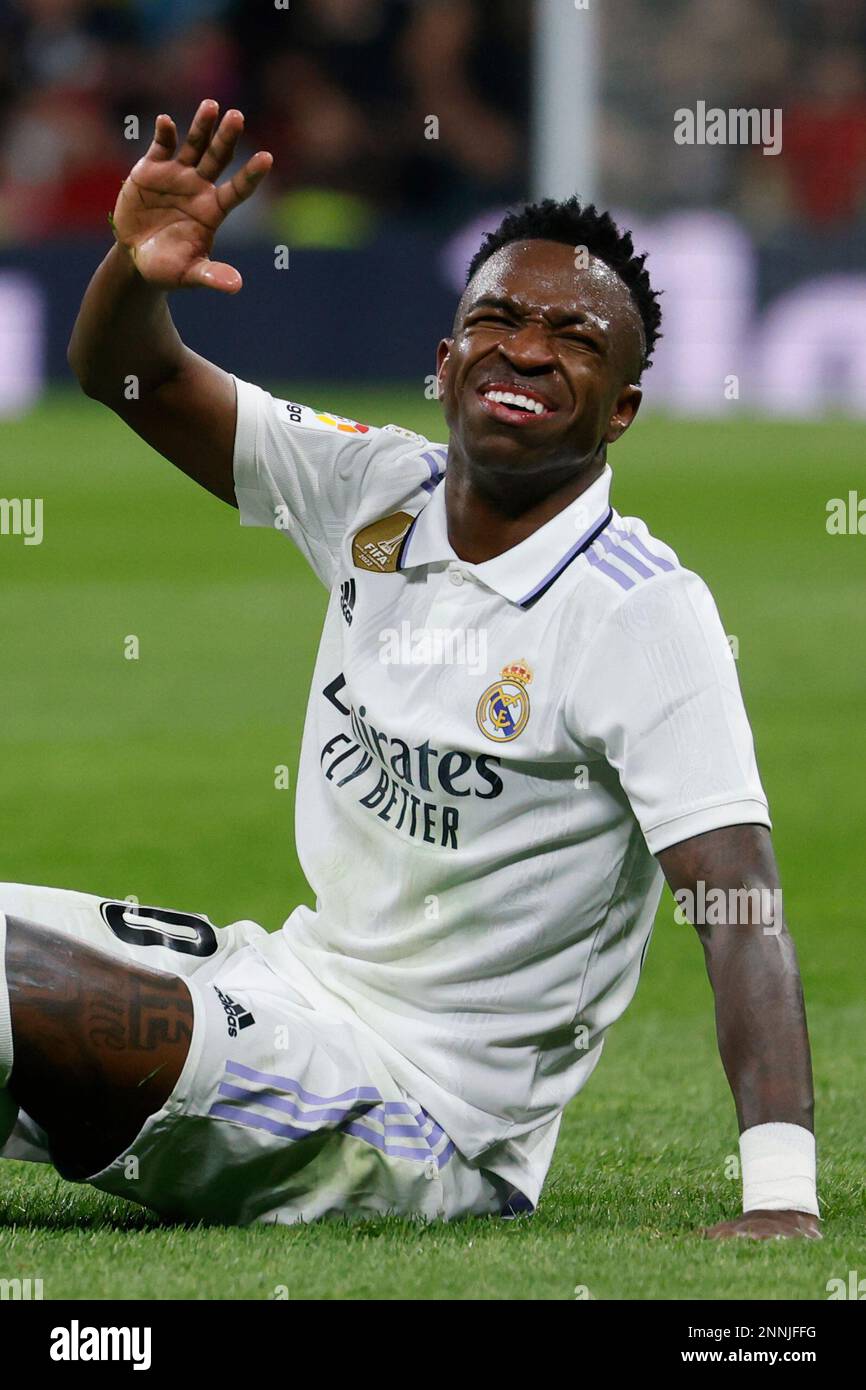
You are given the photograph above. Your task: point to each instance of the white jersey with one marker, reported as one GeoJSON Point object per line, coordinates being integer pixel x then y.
{"type": "Point", "coordinates": [493, 754]}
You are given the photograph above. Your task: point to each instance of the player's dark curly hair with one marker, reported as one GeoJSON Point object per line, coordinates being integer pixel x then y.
{"type": "Point", "coordinates": [574, 225]}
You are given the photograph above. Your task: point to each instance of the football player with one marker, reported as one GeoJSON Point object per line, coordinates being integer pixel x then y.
{"type": "Point", "coordinates": [487, 839]}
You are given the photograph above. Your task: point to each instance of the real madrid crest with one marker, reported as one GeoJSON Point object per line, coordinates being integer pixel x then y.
{"type": "Point", "coordinates": [504, 707]}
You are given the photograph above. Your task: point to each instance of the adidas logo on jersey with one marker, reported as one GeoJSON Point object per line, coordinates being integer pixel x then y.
{"type": "Point", "coordinates": [347, 599]}
{"type": "Point", "coordinates": [237, 1017]}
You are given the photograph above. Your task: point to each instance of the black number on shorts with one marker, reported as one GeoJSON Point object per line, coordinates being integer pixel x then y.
{"type": "Point", "coordinates": [186, 932]}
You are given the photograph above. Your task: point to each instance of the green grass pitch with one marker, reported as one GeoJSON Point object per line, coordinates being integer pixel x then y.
{"type": "Point", "coordinates": [156, 777]}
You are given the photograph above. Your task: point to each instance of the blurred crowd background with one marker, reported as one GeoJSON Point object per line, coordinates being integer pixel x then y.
{"type": "Point", "coordinates": [340, 91]}
{"type": "Point", "coordinates": [401, 131]}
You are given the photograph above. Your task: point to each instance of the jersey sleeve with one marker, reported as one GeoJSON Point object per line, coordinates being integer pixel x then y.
{"type": "Point", "coordinates": [657, 693]}
{"type": "Point", "coordinates": [303, 472]}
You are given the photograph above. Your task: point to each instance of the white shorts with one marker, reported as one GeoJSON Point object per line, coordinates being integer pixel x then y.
{"type": "Point", "coordinates": [280, 1113]}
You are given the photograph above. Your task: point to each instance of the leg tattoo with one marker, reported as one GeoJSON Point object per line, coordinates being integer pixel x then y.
{"type": "Point", "coordinates": [99, 1043]}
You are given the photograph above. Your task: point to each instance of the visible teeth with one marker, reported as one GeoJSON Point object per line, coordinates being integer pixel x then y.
{"type": "Point", "coordinates": [509, 398]}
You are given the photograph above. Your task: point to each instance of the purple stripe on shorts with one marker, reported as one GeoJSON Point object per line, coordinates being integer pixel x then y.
{"type": "Point", "coordinates": [441, 1144]}
{"type": "Point", "coordinates": [380, 1115]}
{"type": "Point", "coordinates": [285, 1107]}
{"type": "Point", "coordinates": [396, 1131]}
{"type": "Point", "coordinates": [378, 1141]}
{"type": "Point", "coordinates": [420, 1124]}
{"type": "Point", "coordinates": [610, 570]}
{"type": "Point", "coordinates": [426, 1126]}
{"type": "Point", "coordinates": [359, 1127]}
{"type": "Point", "coordinates": [287, 1083]}
{"type": "Point", "coordinates": [398, 1120]}
{"type": "Point", "coordinates": [243, 1117]}
{"type": "Point", "coordinates": [431, 1131]}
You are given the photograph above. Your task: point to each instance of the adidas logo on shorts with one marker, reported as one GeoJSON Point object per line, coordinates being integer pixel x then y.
{"type": "Point", "coordinates": [237, 1017]}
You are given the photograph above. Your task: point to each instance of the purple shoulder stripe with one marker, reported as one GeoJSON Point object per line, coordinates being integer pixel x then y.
{"type": "Point", "coordinates": [638, 544]}
{"type": "Point", "coordinates": [610, 570]}
{"type": "Point", "coordinates": [435, 460]}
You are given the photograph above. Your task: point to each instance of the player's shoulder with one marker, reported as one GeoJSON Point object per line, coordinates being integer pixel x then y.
{"type": "Point", "coordinates": [638, 582]}
{"type": "Point", "coordinates": [378, 464]}
{"type": "Point", "coordinates": [295, 415]}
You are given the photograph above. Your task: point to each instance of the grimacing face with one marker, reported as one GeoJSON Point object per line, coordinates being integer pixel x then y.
{"type": "Point", "coordinates": [569, 340]}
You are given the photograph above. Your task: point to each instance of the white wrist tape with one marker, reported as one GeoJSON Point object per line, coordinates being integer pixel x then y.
{"type": "Point", "coordinates": [778, 1163]}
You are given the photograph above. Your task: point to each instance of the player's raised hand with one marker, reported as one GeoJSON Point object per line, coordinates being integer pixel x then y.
{"type": "Point", "coordinates": [171, 206]}
{"type": "Point", "coordinates": [767, 1225]}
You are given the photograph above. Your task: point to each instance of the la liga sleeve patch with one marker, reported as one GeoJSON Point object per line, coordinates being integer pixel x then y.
{"type": "Point", "coordinates": [304, 417]}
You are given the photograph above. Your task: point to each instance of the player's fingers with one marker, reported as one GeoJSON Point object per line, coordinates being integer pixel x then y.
{"type": "Point", "coordinates": [199, 134]}
{"type": "Point", "coordinates": [220, 152]}
{"type": "Point", "coordinates": [213, 275]}
{"type": "Point", "coordinates": [164, 141]}
{"type": "Point", "coordinates": [244, 183]}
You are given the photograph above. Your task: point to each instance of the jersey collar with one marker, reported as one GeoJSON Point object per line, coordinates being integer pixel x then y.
{"type": "Point", "coordinates": [526, 571]}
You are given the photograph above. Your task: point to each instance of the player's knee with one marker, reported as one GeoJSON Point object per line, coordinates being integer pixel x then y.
{"type": "Point", "coordinates": [97, 1042]}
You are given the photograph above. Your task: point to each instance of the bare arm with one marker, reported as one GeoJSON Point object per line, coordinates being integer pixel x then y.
{"type": "Point", "coordinates": [752, 966]}
{"type": "Point", "coordinates": [125, 350]}
{"type": "Point", "coordinates": [125, 342]}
